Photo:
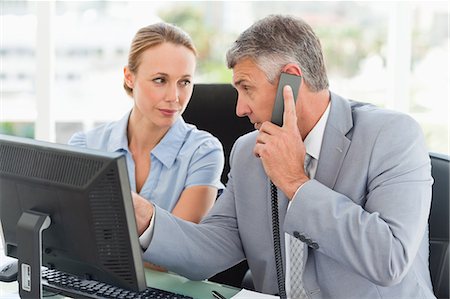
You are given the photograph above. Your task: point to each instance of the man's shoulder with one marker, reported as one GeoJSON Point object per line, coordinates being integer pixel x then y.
{"type": "Point", "coordinates": [243, 159]}
{"type": "Point", "coordinates": [247, 140]}
{"type": "Point", "coordinates": [369, 109]}
{"type": "Point", "coordinates": [366, 114]}
{"type": "Point", "coordinates": [373, 124]}
{"type": "Point", "coordinates": [243, 148]}
{"type": "Point", "coordinates": [357, 119]}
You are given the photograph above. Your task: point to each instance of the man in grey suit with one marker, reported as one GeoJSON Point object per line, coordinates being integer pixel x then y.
{"type": "Point", "coordinates": [361, 207]}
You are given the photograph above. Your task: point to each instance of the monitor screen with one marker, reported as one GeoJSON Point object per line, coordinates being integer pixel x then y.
{"type": "Point", "coordinates": [86, 194]}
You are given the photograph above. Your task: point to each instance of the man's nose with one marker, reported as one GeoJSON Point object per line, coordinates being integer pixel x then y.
{"type": "Point", "coordinates": [242, 109]}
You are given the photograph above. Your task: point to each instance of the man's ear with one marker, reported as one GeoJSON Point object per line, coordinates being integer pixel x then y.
{"type": "Point", "coordinates": [292, 68]}
{"type": "Point", "coordinates": [129, 77]}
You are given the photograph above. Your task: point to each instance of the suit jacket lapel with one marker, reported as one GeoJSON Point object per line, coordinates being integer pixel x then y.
{"type": "Point", "coordinates": [335, 144]}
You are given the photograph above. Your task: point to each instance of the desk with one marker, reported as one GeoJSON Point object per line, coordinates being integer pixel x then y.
{"type": "Point", "coordinates": [179, 284]}
{"type": "Point", "coordinates": [160, 280]}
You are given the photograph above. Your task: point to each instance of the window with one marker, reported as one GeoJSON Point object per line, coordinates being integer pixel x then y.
{"type": "Point", "coordinates": [394, 55]}
{"type": "Point", "coordinates": [18, 69]}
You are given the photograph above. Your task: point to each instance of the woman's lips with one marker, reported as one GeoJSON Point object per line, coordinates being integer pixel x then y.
{"type": "Point", "coordinates": [168, 112]}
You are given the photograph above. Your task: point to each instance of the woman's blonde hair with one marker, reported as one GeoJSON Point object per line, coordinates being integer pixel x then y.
{"type": "Point", "coordinates": [151, 36]}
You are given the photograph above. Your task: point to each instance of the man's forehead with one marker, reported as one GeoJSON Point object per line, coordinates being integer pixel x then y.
{"type": "Point", "coordinates": [245, 63]}
{"type": "Point", "coordinates": [239, 78]}
{"type": "Point", "coordinates": [244, 70]}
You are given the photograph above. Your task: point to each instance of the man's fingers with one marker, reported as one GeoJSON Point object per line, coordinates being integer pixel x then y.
{"type": "Point", "coordinates": [257, 150]}
{"type": "Point", "coordinates": [289, 114]}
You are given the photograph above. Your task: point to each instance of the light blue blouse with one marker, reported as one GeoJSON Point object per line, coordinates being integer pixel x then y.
{"type": "Point", "coordinates": [184, 157]}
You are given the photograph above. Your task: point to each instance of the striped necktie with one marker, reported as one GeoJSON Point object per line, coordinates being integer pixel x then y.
{"type": "Point", "coordinates": [298, 256]}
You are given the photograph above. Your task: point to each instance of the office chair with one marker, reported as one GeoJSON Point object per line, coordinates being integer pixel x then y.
{"type": "Point", "coordinates": [439, 225]}
{"type": "Point", "coordinates": [212, 108]}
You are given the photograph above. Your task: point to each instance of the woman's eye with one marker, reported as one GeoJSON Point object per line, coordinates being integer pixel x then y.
{"type": "Point", "coordinates": [159, 80]}
{"type": "Point", "coordinates": [185, 82]}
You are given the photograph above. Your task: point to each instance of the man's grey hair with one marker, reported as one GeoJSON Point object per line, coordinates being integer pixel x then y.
{"type": "Point", "coordinates": [277, 40]}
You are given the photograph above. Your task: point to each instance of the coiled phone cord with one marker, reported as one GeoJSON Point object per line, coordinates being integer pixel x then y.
{"type": "Point", "coordinates": [276, 241]}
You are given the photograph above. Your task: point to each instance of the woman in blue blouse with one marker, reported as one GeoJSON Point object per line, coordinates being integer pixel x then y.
{"type": "Point", "coordinates": [171, 163]}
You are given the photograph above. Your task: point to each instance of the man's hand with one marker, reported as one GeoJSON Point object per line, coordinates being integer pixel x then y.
{"type": "Point", "coordinates": [282, 150]}
{"type": "Point", "coordinates": [143, 211]}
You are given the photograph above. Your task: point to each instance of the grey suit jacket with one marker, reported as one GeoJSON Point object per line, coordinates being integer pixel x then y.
{"type": "Point", "coordinates": [364, 216]}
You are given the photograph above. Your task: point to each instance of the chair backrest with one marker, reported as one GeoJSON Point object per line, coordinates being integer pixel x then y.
{"type": "Point", "coordinates": [212, 108]}
{"type": "Point", "coordinates": [439, 225]}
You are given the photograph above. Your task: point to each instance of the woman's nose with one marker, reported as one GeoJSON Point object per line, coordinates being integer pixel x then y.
{"type": "Point", "coordinates": [172, 94]}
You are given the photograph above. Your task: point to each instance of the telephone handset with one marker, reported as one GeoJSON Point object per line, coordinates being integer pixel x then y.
{"type": "Point", "coordinates": [294, 82]}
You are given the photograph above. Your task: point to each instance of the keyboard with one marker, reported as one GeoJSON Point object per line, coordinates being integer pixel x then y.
{"type": "Point", "coordinates": [73, 286]}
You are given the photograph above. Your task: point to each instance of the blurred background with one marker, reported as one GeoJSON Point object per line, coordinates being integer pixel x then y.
{"type": "Point", "coordinates": [61, 62]}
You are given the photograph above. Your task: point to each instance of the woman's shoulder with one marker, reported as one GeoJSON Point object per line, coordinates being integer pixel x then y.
{"type": "Point", "coordinates": [201, 138]}
{"type": "Point", "coordinates": [96, 138]}
{"type": "Point", "coordinates": [108, 136]}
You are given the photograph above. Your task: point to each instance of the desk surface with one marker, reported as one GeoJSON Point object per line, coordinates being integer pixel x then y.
{"type": "Point", "coordinates": [179, 284]}
{"type": "Point", "coordinates": [160, 280]}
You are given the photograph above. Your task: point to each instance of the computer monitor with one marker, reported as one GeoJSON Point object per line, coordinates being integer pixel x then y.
{"type": "Point", "coordinates": [86, 195]}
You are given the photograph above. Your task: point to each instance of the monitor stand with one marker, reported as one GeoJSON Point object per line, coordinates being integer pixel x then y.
{"type": "Point", "coordinates": [29, 252]}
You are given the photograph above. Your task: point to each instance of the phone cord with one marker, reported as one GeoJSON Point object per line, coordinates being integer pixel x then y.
{"type": "Point", "coordinates": [276, 241]}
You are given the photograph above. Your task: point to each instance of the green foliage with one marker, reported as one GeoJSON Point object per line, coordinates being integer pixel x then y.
{"type": "Point", "coordinates": [17, 129]}
{"type": "Point", "coordinates": [211, 67]}
{"type": "Point", "coordinates": [345, 46]}
{"type": "Point", "coordinates": [190, 19]}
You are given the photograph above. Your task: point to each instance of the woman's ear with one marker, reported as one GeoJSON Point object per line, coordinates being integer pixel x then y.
{"type": "Point", "coordinates": [129, 77]}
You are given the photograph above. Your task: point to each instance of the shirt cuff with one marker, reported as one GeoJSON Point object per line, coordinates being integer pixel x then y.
{"type": "Point", "coordinates": [147, 235]}
{"type": "Point", "coordinates": [298, 189]}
